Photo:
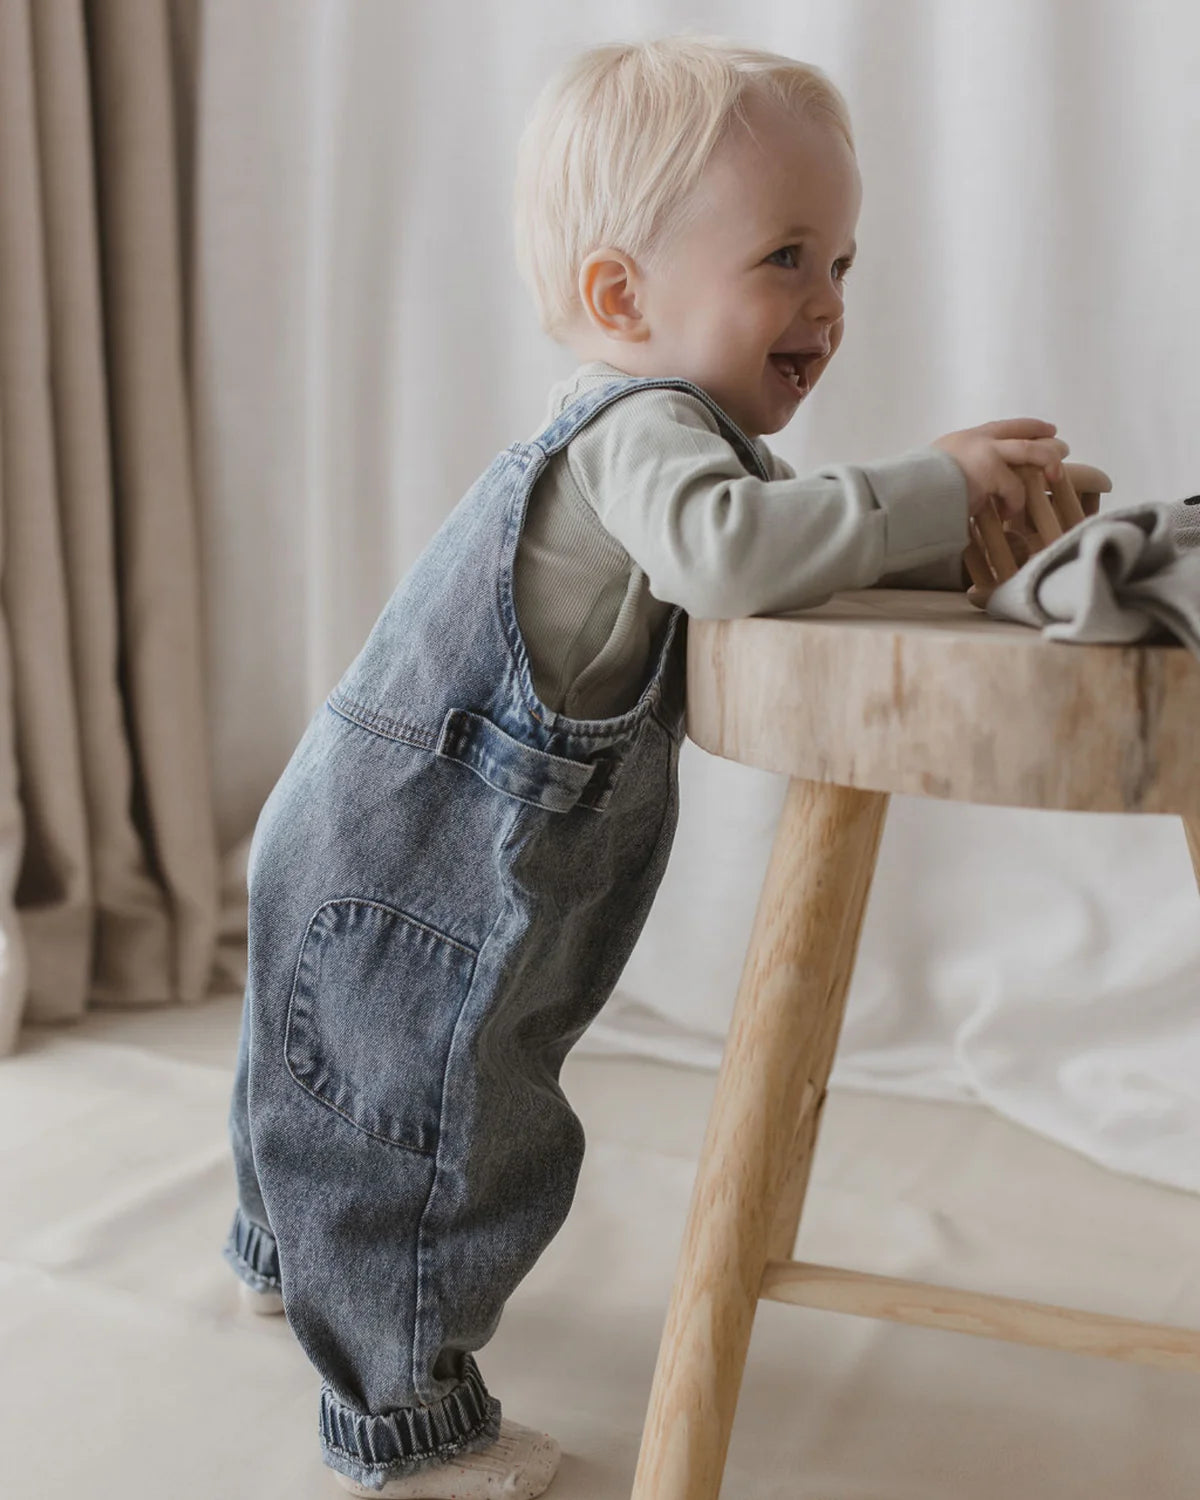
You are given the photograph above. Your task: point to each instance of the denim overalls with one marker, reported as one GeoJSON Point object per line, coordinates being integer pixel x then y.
{"type": "Point", "coordinates": [445, 884]}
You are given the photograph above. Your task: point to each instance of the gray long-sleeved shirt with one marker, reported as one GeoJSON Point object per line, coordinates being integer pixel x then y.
{"type": "Point", "coordinates": [649, 507]}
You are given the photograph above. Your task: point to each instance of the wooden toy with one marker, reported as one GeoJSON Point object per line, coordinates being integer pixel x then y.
{"type": "Point", "coordinates": [999, 546]}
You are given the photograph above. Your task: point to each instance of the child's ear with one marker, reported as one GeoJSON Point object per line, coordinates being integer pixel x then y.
{"type": "Point", "coordinates": [608, 282]}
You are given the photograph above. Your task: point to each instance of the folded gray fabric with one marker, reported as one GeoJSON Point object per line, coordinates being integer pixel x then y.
{"type": "Point", "coordinates": [1124, 575]}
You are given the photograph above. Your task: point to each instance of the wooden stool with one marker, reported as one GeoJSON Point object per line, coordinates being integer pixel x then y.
{"type": "Point", "coordinates": [878, 691]}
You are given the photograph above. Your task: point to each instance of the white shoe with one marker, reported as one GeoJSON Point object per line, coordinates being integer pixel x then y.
{"type": "Point", "coordinates": [517, 1466]}
{"type": "Point", "coordinates": [264, 1302]}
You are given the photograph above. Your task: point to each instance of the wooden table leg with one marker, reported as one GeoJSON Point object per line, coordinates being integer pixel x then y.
{"type": "Point", "coordinates": [1191, 828]}
{"type": "Point", "coordinates": [781, 1243]}
{"type": "Point", "coordinates": [762, 1127]}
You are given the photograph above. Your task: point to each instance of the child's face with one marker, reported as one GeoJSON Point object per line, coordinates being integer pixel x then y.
{"type": "Point", "coordinates": [756, 271]}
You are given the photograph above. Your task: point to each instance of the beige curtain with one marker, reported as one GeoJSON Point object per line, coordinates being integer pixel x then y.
{"type": "Point", "coordinates": [108, 862]}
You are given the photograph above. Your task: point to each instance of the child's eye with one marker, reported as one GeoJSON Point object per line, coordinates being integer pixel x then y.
{"type": "Point", "coordinates": [788, 256]}
{"type": "Point", "coordinates": [788, 251]}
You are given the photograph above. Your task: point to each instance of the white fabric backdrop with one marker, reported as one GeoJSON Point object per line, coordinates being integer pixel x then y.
{"type": "Point", "coordinates": [1028, 242]}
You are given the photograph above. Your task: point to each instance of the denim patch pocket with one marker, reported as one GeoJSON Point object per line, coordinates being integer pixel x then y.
{"type": "Point", "coordinates": [375, 1002]}
{"type": "Point", "coordinates": [523, 771]}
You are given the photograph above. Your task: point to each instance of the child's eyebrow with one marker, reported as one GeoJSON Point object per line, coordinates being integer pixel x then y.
{"type": "Point", "coordinates": [802, 229]}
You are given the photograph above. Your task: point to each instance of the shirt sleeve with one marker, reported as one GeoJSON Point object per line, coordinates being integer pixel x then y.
{"type": "Point", "coordinates": [723, 543]}
{"type": "Point", "coordinates": [948, 574]}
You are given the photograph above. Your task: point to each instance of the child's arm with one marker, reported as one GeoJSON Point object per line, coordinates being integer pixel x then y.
{"type": "Point", "coordinates": [946, 573]}
{"type": "Point", "coordinates": [724, 544]}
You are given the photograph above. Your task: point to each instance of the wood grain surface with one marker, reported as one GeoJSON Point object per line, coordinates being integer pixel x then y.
{"type": "Point", "coordinates": [916, 692]}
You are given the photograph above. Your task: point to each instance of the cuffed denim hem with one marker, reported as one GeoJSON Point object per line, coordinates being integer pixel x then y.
{"type": "Point", "coordinates": [251, 1251]}
{"type": "Point", "coordinates": [373, 1449]}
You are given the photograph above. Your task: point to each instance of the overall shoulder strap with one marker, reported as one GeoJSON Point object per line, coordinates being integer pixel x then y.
{"type": "Point", "coordinates": [573, 418]}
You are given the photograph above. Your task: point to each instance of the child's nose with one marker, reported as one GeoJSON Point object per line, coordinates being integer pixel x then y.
{"type": "Point", "coordinates": [826, 297]}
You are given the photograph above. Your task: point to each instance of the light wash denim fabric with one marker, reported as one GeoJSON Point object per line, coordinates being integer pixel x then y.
{"type": "Point", "coordinates": [445, 884]}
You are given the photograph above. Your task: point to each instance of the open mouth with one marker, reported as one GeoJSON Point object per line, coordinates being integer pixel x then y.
{"type": "Point", "coordinates": [793, 368]}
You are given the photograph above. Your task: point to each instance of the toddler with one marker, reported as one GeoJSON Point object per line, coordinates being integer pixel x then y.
{"type": "Point", "coordinates": [448, 877]}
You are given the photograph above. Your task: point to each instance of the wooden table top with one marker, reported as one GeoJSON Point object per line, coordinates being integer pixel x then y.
{"type": "Point", "coordinates": [918, 692]}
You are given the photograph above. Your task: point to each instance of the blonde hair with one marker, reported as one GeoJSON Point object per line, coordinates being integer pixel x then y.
{"type": "Point", "coordinates": [617, 142]}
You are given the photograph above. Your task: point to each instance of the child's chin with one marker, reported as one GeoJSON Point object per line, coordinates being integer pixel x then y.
{"type": "Point", "coordinates": [780, 420]}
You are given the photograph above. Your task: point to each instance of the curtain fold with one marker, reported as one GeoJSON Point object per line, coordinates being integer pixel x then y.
{"type": "Point", "coordinates": [105, 787]}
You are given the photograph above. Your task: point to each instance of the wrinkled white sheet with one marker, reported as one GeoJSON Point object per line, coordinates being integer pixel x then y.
{"type": "Point", "coordinates": [1129, 574]}
{"type": "Point", "coordinates": [129, 1373]}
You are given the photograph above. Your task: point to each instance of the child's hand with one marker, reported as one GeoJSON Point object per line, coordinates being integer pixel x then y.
{"type": "Point", "coordinates": [987, 456]}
